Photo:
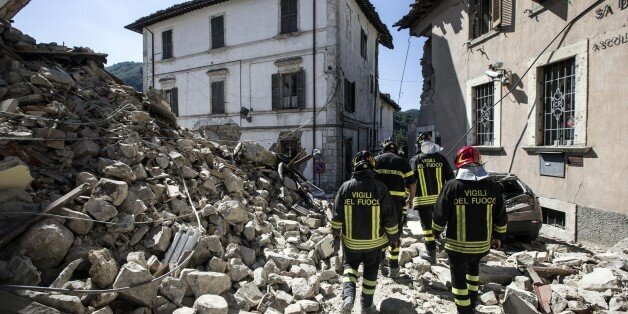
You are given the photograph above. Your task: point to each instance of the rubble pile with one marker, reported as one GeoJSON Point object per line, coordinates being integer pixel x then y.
{"type": "Point", "coordinates": [582, 280]}
{"type": "Point", "coordinates": [119, 186]}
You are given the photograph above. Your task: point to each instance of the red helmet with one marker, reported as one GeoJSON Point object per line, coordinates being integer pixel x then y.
{"type": "Point", "coordinates": [467, 155]}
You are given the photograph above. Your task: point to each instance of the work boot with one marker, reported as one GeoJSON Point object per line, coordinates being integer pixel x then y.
{"type": "Point", "coordinates": [369, 308]}
{"type": "Point", "coordinates": [429, 256]}
{"type": "Point", "coordinates": [393, 272]}
{"type": "Point", "coordinates": [347, 305]}
{"type": "Point", "coordinates": [383, 269]}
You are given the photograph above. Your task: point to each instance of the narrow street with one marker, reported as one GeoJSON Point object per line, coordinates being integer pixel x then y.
{"type": "Point", "coordinates": [422, 288]}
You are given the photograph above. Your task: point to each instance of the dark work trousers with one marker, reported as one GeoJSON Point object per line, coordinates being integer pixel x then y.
{"type": "Point", "coordinates": [425, 214]}
{"type": "Point", "coordinates": [465, 272]}
{"type": "Point", "coordinates": [371, 260]}
{"type": "Point", "coordinates": [393, 253]}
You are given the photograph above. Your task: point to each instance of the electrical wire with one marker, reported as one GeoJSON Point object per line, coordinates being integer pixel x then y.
{"type": "Point", "coordinates": [514, 86]}
{"type": "Point", "coordinates": [403, 73]}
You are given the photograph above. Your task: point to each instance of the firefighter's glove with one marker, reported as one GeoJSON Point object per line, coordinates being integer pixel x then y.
{"type": "Point", "coordinates": [336, 244]}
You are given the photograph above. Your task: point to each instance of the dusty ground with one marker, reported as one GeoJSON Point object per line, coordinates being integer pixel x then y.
{"type": "Point", "coordinates": [410, 294]}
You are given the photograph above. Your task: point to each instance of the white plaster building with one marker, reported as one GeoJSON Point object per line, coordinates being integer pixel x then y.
{"type": "Point", "coordinates": [386, 115]}
{"type": "Point", "coordinates": [268, 66]}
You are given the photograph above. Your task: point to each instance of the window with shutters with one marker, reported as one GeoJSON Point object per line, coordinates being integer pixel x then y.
{"type": "Point", "coordinates": [363, 44]}
{"type": "Point", "coordinates": [288, 90]}
{"type": "Point", "coordinates": [218, 31]}
{"type": "Point", "coordinates": [483, 114]}
{"type": "Point", "coordinates": [486, 15]}
{"type": "Point", "coordinates": [172, 96]}
{"type": "Point", "coordinates": [166, 45]}
{"type": "Point", "coordinates": [218, 97]}
{"type": "Point", "coordinates": [349, 96]}
{"type": "Point", "coordinates": [289, 16]}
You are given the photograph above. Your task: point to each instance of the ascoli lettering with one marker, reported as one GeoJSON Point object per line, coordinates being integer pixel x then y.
{"type": "Point", "coordinates": [611, 42]}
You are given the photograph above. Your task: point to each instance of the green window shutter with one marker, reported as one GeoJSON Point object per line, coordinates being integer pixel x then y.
{"type": "Point", "coordinates": [275, 91]}
{"type": "Point", "coordinates": [218, 97]}
{"type": "Point", "coordinates": [301, 89]}
{"type": "Point", "coordinates": [218, 32]}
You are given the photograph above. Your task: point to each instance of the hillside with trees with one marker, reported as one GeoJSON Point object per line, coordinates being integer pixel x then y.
{"type": "Point", "coordinates": [129, 72]}
{"type": "Point", "coordinates": [401, 121]}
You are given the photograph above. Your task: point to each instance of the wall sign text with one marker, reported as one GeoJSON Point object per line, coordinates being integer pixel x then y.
{"type": "Point", "coordinates": [608, 10]}
{"type": "Point", "coordinates": [610, 42]}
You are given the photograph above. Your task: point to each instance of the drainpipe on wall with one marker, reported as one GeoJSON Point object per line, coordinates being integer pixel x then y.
{"type": "Point", "coordinates": [376, 93]}
{"type": "Point", "coordinates": [152, 55]}
{"type": "Point", "coordinates": [313, 77]}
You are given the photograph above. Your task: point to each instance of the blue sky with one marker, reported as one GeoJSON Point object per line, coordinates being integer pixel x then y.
{"type": "Point", "coordinates": [99, 24]}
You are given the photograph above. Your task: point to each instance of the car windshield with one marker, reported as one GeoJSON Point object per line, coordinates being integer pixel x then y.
{"type": "Point", "coordinates": [511, 188]}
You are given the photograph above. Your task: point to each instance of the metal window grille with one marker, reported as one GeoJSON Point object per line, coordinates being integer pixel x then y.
{"type": "Point", "coordinates": [484, 114]}
{"type": "Point", "coordinates": [559, 82]}
{"type": "Point", "coordinates": [553, 217]}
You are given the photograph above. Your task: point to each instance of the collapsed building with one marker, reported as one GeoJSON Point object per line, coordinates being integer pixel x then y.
{"type": "Point", "coordinates": [107, 206]}
{"type": "Point", "coordinates": [308, 65]}
{"type": "Point", "coordinates": [101, 192]}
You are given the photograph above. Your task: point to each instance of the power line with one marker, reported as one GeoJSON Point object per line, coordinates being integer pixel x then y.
{"type": "Point", "coordinates": [403, 73]}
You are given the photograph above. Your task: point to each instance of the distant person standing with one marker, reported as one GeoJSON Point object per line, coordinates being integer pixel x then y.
{"type": "Point", "coordinates": [364, 219]}
{"type": "Point", "coordinates": [472, 209]}
{"type": "Point", "coordinates": [432, 170]}
{"type": "Point", "coordinates": [395, 172]}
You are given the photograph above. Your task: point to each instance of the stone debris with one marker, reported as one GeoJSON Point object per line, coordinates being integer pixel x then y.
{"type": "Point", "coordinates": [265, 244]}
{"type": "Point", "coordinates": [136, 169]}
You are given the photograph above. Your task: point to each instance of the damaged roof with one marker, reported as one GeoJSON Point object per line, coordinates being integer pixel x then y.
{"type": "Point", "coordinates": [418, 10]}
{"type": "Point", "coordinates": [365, 5]}
{"type": "Point", "coordinates": [386, 98]}
{"type": "Point", "coordinates": [9, 8]}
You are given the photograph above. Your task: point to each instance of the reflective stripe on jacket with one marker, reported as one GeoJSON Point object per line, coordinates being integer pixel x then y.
{"type": "Point", "coordinates": [473, 212]}
{"type": "Point", "coordinates": [431, 171]}
{"type": "Point", "coordinates": [364, 213]}
{"type": "Point", "coordinates": [395, 173]}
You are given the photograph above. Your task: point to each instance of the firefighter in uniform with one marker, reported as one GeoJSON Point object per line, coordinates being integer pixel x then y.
{"type": "Point", "coordinates": [432, 170]}
{"type": "Point", "coordinates": [472, 209]}
{"type": "Point", "coordinates": [364, 218]}
{"type": "Point", "coordinates": [396, 174]}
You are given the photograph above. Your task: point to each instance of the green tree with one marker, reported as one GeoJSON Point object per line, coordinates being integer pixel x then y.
{"type": "Point", "coordinates": [130, 73]}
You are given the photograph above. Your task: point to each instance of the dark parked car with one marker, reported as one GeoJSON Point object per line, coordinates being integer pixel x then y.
{"type": "Point", "coordinates": [522, 206]}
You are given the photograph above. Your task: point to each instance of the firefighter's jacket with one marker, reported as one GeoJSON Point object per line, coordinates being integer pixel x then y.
{"type": "Point", "coordinates": [431, 171]}
{"type": "Point", "coordinates": [473, 212]}
{"type": "Point", "coordinates": [395, 173]}
{"type": "Point", "coordinates": [364, 213]}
